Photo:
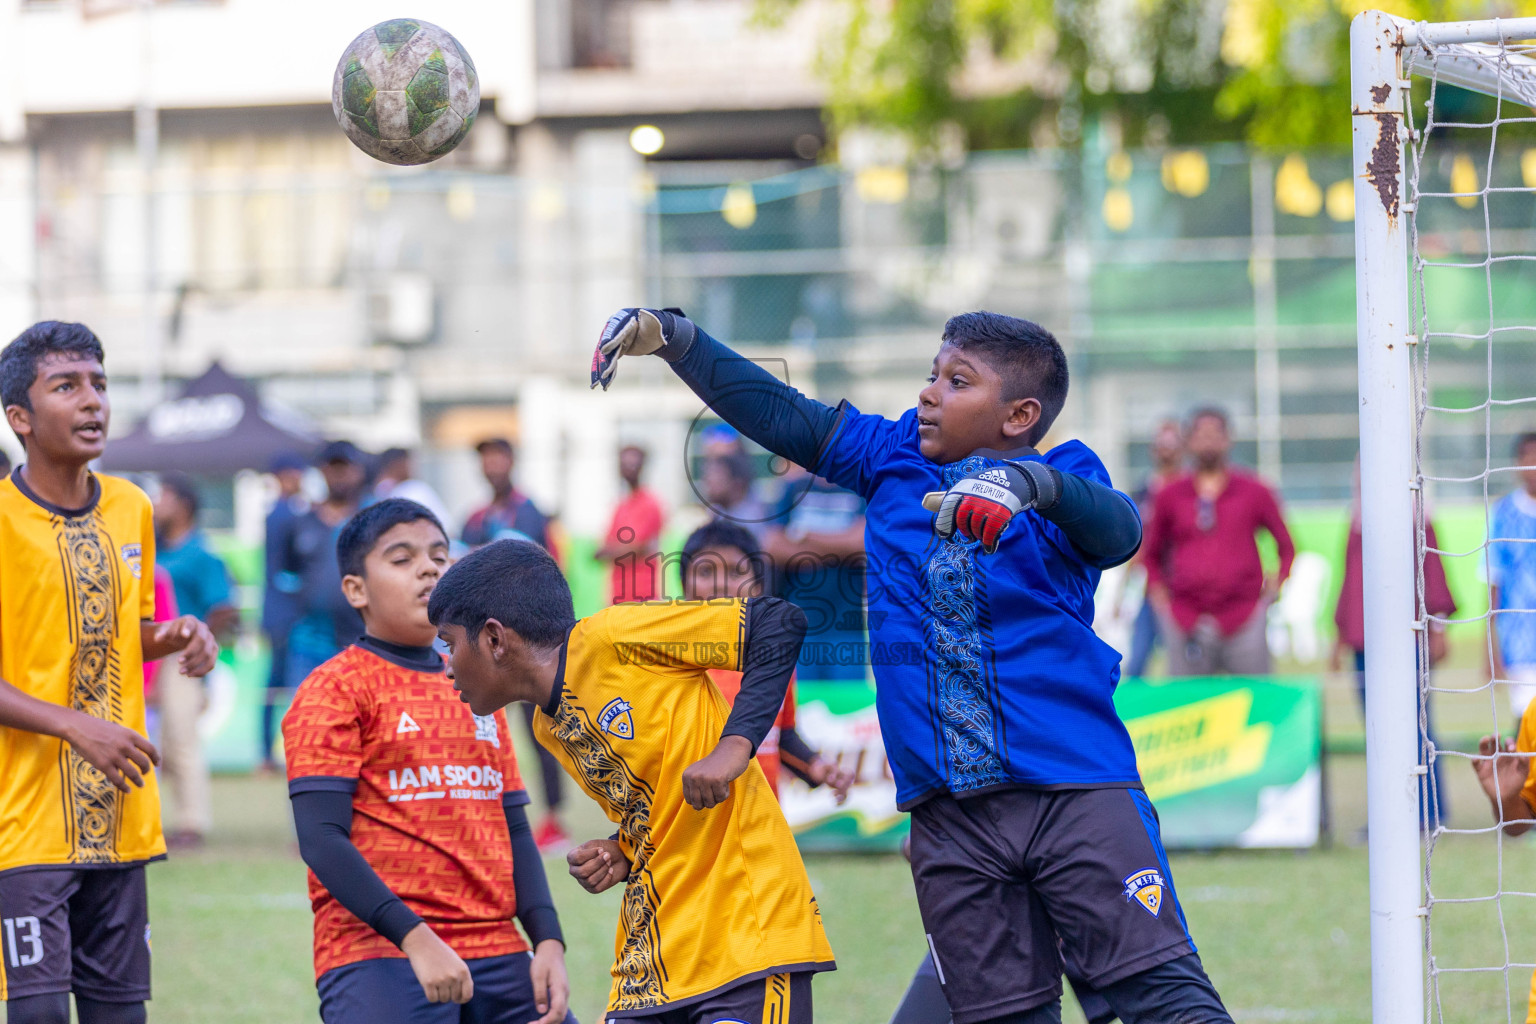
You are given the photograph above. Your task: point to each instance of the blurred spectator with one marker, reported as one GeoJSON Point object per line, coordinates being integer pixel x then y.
{"type": "Point", "coordinates": [325, 623]}
{"type": "Point", "coordinates": [1204, 575]}
{"type": "Point", "coordinates": [510, 514]}
{"type": "Point", "coordinates": [1512, 582]}
{"type": "Point", "coordinates": [1167, 464]}
{"type": "Point", "coordinates": [5, 464]}
{"type": "Point", "coordinates": [397, 479]}
{"type": "Point", "coordinates": [719, 440]}
{"type": "Point", "coordinates": [1349, 617]}
{"type": "Point", "coordinates": [202, 588]}
{"type": "Point", "coordinates": [280, 589]}
{"type": "Point", "coordinates": [633, 535]}
{"type": "Point", "coordinates": [200, 577]}
{"type": "Point", "coordinates": [725, 484]}
{"type": "Point", "coordinates": [165, 611]}
{"type": "Point", "coordinates": [816, 538]}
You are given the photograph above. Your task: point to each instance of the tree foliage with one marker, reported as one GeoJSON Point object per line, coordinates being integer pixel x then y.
{"type": "Point", "coordinates": [1272, 72]}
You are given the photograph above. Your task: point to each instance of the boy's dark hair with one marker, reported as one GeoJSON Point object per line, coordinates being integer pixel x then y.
{"type": "Point", "coordinates": [1027, 356]}
{"type": "Point", "coordinates": [19, 359]}
{"type": "Point", "coordinates": [716, 534]}
{"type": "Point", "coordinates": [1209, 412]}
{"type": "Point", "coordinates": [514, 582]}
{"type": "Point", "coordinates": [184, 488]}
{"type": "Point", "coordinates": [364, 529]}
{"type": "Point", "coordinates": [1527, 438]}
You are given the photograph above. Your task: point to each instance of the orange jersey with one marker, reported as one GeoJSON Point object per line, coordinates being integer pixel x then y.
{"type": "Point", "coordinates": [729, 685]}
{"type": "Point", "coordinates": [427, 810]}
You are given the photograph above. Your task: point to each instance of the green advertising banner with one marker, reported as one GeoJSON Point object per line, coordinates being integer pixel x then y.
{"type": "Point", "coordinates": [1229, 762]}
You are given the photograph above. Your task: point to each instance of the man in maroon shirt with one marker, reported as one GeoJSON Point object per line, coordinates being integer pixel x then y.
{"type": "Point", "coordinates": [1349, 617]}
{"type": "Point", "coordinates": [1204, 576]}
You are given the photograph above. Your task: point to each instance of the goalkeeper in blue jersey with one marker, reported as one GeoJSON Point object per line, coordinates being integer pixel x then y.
{"type": "Point", "coordinates": [1028, 816]}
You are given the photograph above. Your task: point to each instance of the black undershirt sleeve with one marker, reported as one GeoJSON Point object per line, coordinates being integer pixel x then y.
{"type": "Point", "coordinates": [796, 755]}
{"type": "Point", "coordinates": [535, 905]}
{"type": "Point", "coordinates": [1100, 522]}
{"type": "Point", "coordinates": [323, 820]}
{"type": "Point", "coordinates": [775, 631]}
{"type": "Point", "coordinates": [751, 399]}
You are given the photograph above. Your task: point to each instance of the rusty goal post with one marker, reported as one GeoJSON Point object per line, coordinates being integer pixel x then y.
{"type": "Point", "coordinates": [1437, 201]}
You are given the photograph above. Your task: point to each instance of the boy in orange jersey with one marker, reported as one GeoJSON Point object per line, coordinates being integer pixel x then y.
{"type": "Point", "coordinates": [410, 813]}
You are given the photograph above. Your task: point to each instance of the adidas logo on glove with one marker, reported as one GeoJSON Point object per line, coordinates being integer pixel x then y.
{"type": "Point", "coordinates": [995, 476]}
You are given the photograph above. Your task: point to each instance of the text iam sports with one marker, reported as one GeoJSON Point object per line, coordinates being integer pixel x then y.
{"type": "Point", "coordinates": [460, 781]}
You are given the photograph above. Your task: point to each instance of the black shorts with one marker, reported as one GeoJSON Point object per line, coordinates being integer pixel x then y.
{"type": "Point", "coordinates": [385, 991]}
{"type": "Point", "coordinates": [1001, 875]}
{"type": "Point", "coordinates": [80, 930]}
{"type": "Point", "coordinates": [776, 999]}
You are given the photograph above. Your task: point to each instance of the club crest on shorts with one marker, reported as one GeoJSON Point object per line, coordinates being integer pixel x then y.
{"type": "Point", "coordinates": [1146, 887]}
{"type": "Point", "coordinates": [615, 720]}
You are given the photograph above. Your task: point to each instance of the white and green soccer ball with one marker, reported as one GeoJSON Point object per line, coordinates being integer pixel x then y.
{"type": "Point", "coordinates": [405, 92]}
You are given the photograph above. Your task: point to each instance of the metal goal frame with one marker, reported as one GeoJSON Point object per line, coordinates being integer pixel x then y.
{"type": "Point", "coordinates": [1469, 54]}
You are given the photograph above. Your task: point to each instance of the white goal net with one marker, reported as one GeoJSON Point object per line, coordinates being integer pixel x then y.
{"type": "Point", "coordinates": [1445, 164]}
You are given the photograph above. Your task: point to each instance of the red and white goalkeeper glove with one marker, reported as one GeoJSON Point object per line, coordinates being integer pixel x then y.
{"type": "Point", "coordinates": [634, 332]}
{"type": "Point", "coordinates": [982, 504]}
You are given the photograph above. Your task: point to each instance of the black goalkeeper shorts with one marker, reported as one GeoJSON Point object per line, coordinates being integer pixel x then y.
{"type": "Point", "coordinates": [999, 876]}
{"type": "Point", "coordinates": [80, 930]}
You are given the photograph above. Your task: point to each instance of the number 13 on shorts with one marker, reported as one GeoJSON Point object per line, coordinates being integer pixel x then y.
{"type": "Point", "coordinates": [23, 941]}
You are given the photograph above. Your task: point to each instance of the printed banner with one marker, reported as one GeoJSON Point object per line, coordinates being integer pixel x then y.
{"type": "Point", "coordinates": [1228, 761]}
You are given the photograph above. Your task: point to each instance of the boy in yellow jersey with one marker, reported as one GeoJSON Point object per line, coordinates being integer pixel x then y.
{"type": "Point", "coordinates": [1510, 784]}
{"type": "Point", "coordinates": [79, 809]}
{"type": "Point", "coordinates": [718, 920]}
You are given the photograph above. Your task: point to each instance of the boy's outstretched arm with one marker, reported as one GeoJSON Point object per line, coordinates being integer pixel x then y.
{"type": "Point", "coordinates": [745, 395]}
{"type": "Point", "coordinates": [775, 631]}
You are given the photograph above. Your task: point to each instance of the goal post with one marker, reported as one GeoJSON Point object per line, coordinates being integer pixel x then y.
{"type": "Point", "coordinates": [1394, 334]}
{"type": "Point", "coordinates": [1388, 493]}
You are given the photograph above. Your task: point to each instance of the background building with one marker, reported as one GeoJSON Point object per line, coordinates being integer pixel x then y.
{"type": "Point", "coordinates": [191, 207]}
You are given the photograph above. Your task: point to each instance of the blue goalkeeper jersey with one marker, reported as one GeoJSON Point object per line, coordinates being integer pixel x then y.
{"type": "Point", "coordinates": [987, 670]}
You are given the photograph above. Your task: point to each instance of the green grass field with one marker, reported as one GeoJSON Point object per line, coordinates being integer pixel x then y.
{"type": "Point", "coordinates": [1285, 935]}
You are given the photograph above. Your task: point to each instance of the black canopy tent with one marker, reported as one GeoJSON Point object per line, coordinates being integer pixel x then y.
{"type": "Point", "coordinates": [216, 427]}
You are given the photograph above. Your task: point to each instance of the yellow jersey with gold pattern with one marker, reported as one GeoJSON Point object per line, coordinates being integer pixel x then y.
{"type": "Point", "coordinates": [74, 587]}
{"type": "Point", "coordinates": [715, 897]}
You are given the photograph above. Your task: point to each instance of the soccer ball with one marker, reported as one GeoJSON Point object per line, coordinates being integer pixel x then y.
{"type": "Point", "coordinates": [405, 92]}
